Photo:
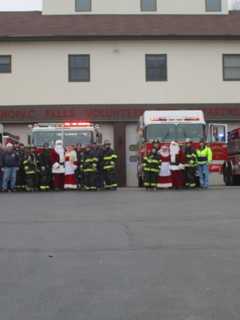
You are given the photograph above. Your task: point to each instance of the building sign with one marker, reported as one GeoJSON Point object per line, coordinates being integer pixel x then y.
{"type": "Point", "coordinates": [113, 113]}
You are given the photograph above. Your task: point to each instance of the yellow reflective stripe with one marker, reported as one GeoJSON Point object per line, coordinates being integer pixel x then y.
{"type": "Point", "coordinates": [108, 167]}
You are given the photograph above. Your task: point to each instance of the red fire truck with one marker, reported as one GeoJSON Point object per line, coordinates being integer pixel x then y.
{"type": "Point", "coordinates": [71, 133]}
{"type": "Point", "coordinates": [231, 168]}
{"type": "Point", "coordinates": [6, 137]}
{"type": "Point", "coordinates": [178, 125]}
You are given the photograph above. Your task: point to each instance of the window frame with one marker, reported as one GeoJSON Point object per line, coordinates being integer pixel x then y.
{"type": "Point", "coordinates": [223, 65]}
{"type": "Point", "coordinates": [154, 10]}
{"type": "Point", "coordinates": [69, 67]}
{"type": "Point", "coordinates": [206, 5]}
{"type": "Point", "coordinates": [146, 66]}
{"type": "Point", "coordinates": [76, 7]}
{"type": "Point", "coordinates": [10, 63]}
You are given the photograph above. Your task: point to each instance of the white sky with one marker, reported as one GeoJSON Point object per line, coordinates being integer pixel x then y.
{"type": "Point", "coordinates": [25, 4]}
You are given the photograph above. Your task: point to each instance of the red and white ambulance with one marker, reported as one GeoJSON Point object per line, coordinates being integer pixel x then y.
{"type": "Point", "coordinates": [178, 125]}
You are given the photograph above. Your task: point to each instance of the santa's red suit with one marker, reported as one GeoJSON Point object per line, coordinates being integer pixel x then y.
{"type": "Point", "coordinates": [70, 180]}
{"type": "Point", "coordinates": [58, 170]}
{"type": "Point", "coordinates": [165, 175]}
{"type": "Point", "coordinates": [177, 166]}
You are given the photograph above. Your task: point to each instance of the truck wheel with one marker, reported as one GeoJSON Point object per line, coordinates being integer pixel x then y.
{"type": "Point", "coordinates": [228, 176]}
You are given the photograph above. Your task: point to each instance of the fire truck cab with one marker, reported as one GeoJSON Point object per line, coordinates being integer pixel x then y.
{"type": "Point", "coordinates": [231, 168]}
{"type": "Point", "coordinates": [179, 125]}
{"type": "Point", "coordinates": [71, 133]}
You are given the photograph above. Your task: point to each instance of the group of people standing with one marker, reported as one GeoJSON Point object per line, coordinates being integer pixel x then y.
{"type": "Point", "coordinates": [177, 166]}
{"type": "Point", "coordinates": [78, 167]}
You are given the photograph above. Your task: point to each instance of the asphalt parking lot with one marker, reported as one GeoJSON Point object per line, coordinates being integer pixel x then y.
{"type": "Point", "coordinates": [130, 254]}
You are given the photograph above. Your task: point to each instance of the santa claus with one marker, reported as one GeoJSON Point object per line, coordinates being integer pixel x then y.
{"type": "Point", "coordinates": [70, 180]}
{"type": "Point", "coordinates": [58, 170]}
{"type": "Point", "coordinates": [165, 175]}
{"type": "Point", "coordinates": [177, 167]}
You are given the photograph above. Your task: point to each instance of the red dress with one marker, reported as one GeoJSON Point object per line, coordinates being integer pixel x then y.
{"type": "Point", "coordinates": [70, 180]}
{"type": "Point", "coordinates": [57, 171]}
{"type": "Point", "coordinates": [177, 169]}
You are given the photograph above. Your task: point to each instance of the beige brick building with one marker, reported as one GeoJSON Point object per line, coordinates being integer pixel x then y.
{"type": "Point", "coordinates": [107, 61]}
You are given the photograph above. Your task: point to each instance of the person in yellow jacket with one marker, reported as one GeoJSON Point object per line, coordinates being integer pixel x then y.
{"type": "Point", "coordinates": [204, 157]}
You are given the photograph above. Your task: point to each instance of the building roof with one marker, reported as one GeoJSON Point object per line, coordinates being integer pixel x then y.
{"type": "Point", "coordinates": [35, 26]}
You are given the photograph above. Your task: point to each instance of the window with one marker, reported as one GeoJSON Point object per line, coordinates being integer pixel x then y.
{"type": "Point", "coordinates": [156, 67]}
{"type": "Point", "coordinates": [79, 68]}
{"type": "Point", "coordinates": [213, 5]}
{"type": "Point", "coordinates": [231, 67]}
{"type": "Point", "coordinates": [149, 5]}
{"type": "Point", "coordinates": [83, 5]}
{"type": "Point", "coordinates": [5, 64]}
{"type": "Point", "coordinates": [174, 132]}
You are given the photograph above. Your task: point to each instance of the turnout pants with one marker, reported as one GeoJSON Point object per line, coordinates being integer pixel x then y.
{"type": "Point", "coordinates": [45, 180]}
{"type": "Point", "coordinates": [31, 182]}
{"type": "Point", "coordinates": [110, 179]}
{"type": "Point", "coordinates": [150, 179]}
{"type": "Point", "coordinates": [90, 181]}
{"type": "Point", "coordinates": [190, 176]}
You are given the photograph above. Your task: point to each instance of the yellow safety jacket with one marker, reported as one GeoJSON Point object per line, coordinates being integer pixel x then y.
{"type": "Point", "coordinates": [204, 156]}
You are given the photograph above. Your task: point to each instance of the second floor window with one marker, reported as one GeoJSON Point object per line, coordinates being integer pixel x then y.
{"type": "Point", "coordinates": [5, 64]}
{"type": "Point", "coordinates": [83, 5]}
{"type": "Point", "coordinates": [156, 67]}
{"type": "Point", "coordinates": [213, 5]}
{"type": "Point", "coordinates": [148, 5]}
{"type": "Point", "coordinates": [231, 67]}
{"type": "Point", "coordinates": [79, 68]}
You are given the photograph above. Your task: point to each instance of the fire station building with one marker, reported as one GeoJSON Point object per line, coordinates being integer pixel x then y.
{"type": "Point", "coordinates": [107, 61]}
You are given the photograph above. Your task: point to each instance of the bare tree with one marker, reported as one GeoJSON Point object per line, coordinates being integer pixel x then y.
{"type": "Point", "coordinates": [236, 5]}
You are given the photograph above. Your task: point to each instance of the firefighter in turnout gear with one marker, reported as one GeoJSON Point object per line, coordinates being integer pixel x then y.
{"type": "Point", "coordinates": [20, 181]}
{"type": "Point", "coordinates": [80, 161]}
{"type": "Point", "coordinates": [45, 167]}
{"type": "Point", "coordinates": [90, 169]}
{"type": "Point", "coordinates": [109, 162]}
{"type": "Point", "coordinates": [30, 169]}
{"type": "Point", "coordinates": [151, 168]}
{"type": "Point", "coordinates": [190, 165]}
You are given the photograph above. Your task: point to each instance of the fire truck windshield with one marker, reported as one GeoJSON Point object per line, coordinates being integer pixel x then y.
{"type": "Point", "coordinates": [174, 132]}
{"type": "Point", "coordinates": [83, 137]}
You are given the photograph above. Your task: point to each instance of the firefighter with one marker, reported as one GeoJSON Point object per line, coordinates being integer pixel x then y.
{"type": "Point", "coordinates": [90, 169]}
{"type": "Point", "coordinates": [190, 165]}
{"type": "Point", "coordinates": [79, 172]}
{"type": "Point", "coordinates": [45, 168]}
{"type": "Point", "coordinates": [30, 170]}
{"type": "Point", "coordinates": [109, 162]}
{"type": "Point", "coordinates": [151, 167]}
{"type": "Point", "coordinates": [100, 176]}
{"type": "Point", "coordinates": [20, 180]}
{"type": "Point", "coordinates": [204, 157]}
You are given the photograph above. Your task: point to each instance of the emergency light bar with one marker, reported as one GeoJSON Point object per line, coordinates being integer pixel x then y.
{"type": "Point", "coordinates": [64, 125]}
{"type": "Point", "coordinates": [78, 124]}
